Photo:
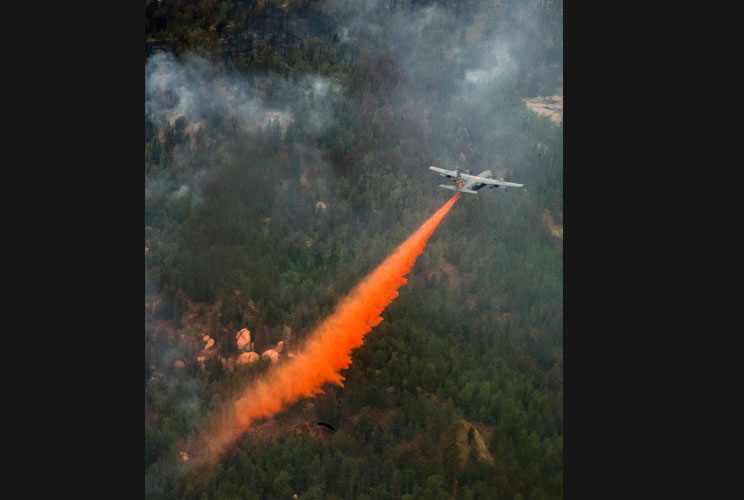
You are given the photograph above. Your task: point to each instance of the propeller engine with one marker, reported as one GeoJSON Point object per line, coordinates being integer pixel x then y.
{"type": "Point", "coordinates": [495, 185]}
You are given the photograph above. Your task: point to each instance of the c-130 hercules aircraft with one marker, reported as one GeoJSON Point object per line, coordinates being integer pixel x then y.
{"type": "Point", "coordinates": [467, 183]}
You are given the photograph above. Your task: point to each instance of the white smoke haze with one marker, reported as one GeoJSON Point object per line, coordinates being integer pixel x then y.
{"type": "Point", "coordinates": [180, 193]}
{"type": "Point", "coordinates": [473, 60]}
{"type": "Point", "coordinates": [318, 95]}
{"type": "Point", "coordinates": [187, 185]}
{"type": "Point", "coordinates": [155, 188]}
{"type": "Point", "coordinates": [172, 89]}
{"type": "Point", "coordinates": [213, 100]}
{"type": "Point", "coordinates": [431, 45]}
{"type": "Point", "coordinates": [497, 64]}
{"type": "Point", "coordinates": [190, 89]}
{"type": "Point", "coordinates": [197, 90]}
{"type": "Point", "coordinates": [404, 35]}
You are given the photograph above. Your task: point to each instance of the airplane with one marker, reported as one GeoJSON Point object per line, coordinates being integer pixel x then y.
{"type": "Point", "coordinates": [467, 183]}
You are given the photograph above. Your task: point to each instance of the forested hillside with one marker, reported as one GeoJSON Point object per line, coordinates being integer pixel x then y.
{"type": "Point", "coordinates": [286, 154]}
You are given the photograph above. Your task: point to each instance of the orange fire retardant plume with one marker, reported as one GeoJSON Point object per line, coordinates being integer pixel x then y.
{"type": "Point", "coordinates": [327, 350]}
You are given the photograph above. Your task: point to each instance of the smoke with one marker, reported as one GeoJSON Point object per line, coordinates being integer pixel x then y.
{"type": "Point", "coordinates": [193, 89]}
{"type": "Point", "coordinates": [198, 90]}
{"type": "Point", "coordinates": [216, 107]}
{"type": "Point", "coordinates": [180, 193]}
{"type": "Point", "coordinates": [458, 67]}
{"type": "Point", "coordinates": [327, 350]}
{"type": "Point", "coordinates": [429, 44]}
{"type": "Point", "coordinates": [496, 63]}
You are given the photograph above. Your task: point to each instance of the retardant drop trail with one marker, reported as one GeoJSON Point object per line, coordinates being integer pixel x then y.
{"type": "Point", "coordinates": [327, 350]}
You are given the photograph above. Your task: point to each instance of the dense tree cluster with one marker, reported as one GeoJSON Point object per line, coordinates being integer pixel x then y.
{"type": "Point", "coordinates": [275, 225]}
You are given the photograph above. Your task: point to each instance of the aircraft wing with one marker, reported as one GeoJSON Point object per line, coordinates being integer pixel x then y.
{"type": "Point", "coordinates": [454, 188]}
{"type": "Point", "coordinates": [442, 171]}
{"type": "Point", "coordinates": [485, 180]}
